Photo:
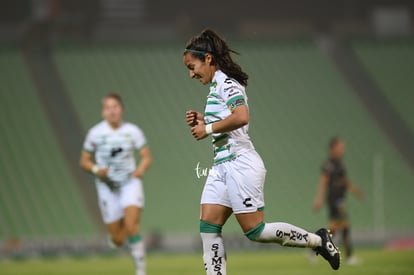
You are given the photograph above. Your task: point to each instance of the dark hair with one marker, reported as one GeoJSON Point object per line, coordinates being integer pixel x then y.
{"type": "Point", "coordinates": [115, 96]}
{"type": "Point", "coordinates": [210, 42]}
{"type": "Point", "coordinates": [334, 141]}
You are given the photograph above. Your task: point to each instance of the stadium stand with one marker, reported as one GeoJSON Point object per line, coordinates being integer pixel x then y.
{"type": "Point", "coordinates": [390, 64]}
{"type": "Point", "coordinates": [39, 199]}
{"type": "Point", "coordinates": [298, 100]}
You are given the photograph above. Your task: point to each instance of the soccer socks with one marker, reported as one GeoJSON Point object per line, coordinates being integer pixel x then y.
{"type": "Point", "coordinates": [284, 234]}
{"type": "Point", "coordinates": [346, 239]}
{"type": "Point", "coordinates": [137, 248]}
{"type": "Point", "coordinates": [214, 255]}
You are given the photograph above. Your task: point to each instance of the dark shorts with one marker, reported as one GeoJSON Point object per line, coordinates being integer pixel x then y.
{"type": "Point", "coordinates": [337, 211]}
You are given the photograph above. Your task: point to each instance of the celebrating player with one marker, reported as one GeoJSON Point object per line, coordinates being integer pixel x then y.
{"type": "Point", "coordinates": [235, 183]}
{"type": "Point", "coordinates": [335, 182]}
{"type": "Point", "coordinates": [108, 153]}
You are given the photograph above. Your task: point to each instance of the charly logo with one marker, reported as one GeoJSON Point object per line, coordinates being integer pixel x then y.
{"type": "Point", "coordinates": [202, 171]}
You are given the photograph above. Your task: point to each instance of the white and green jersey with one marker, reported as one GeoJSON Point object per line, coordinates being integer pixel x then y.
{"type": "Point", "coordinates": [114, 148]}
{"type": "Point", "coordinates": [226, 94]}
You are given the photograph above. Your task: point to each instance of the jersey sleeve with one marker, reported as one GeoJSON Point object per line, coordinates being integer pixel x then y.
{"type": "Point", "coordinates": [327, 168]}
{"type": "Point", "coordinates": [233, 94]}
{"type": "Point", "coordinates": [89, 144]}
{"type": "Point", "coordinates": [139, 138]}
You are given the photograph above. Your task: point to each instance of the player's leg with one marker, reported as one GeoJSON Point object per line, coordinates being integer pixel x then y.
{"type": "Point", "coordinates": [135, 242]}
{"type": "Point", "coordinates": [132, 201]}
{"type": "Point", "coordinates": [347, 243]}
{"type": "Point", "coordinates": [335, 217]}
{"type": "Point", "coordinates": [213, 217]}
{"type": "Point", "coordinates": [112, 214]}
{"type": "Point", "coordinates": [245, 188]}
{"type": "Point", "coordinates": [215, 211]}
{"type": "Point", "coordinates": [117, 233]}
{"type": "Point", "coordinates": [334, 226]}
{"type": "Point", "coordinates": [346, 240]}
{"type": "Point", "coordinates": [276, 232]}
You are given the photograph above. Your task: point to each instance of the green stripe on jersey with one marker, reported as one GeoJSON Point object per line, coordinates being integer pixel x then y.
{"type": "Point", "coordinates": [229, 157]}
{"type": "Point", "coordinates": [211, 113]}
{"type": "Point", "coordinates": [213, 102]}
{"type": "Point", "coordinates": [223, 136]}
{"type": "Point", "coordinates": [220, 149]}
{"type": "Point", "coordinates": [213, 95]}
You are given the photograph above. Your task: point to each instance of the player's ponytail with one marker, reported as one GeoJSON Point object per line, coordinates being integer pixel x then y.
{"type": "Point", "coordinates": [210, 42]}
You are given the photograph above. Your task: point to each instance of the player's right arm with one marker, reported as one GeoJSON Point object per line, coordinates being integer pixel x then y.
{"type": "Point", "coordinates": [355, 190]}
{"type": "Point", "coordinates": [320, 193]}
{"type": "Point", "coordinates": [87, 164]}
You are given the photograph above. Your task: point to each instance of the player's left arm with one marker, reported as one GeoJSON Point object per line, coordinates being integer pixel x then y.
{"type": "Point", "coordinates": [237, 119]}
{"type": "Point", "coordinates": [357, 192]}
{"type": "Point", "coordinates": [235, 99]}
{"type": "Point", "coordinates": [320, 193]}
{"type": "Point", "coordinates": [145, 162]}
{"type": "Point", "coordinates": [236, 102]}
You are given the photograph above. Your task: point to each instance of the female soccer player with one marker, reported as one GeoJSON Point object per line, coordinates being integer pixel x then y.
{"type": "Point", "coordinates": [235, 183]}
{"type": "Point", "coordinates": [108, 153]}
{"type": "Point", "coordinates": [335, 183]}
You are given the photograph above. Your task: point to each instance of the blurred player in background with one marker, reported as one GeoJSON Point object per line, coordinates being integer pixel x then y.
{"type": "Point", "coordinates": [235, 183]}
{"type": "Point", "coordinates": [334, 185]}
{"type": "Point", "coordinates": [108, 153]}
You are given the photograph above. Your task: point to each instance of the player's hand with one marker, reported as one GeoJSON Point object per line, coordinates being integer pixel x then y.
{"type": "Point", "coordinates": [192, 117]}
{"type": "Point", "coordinates": [103, 174]}
{"type": "Point", "coordinates": [317, 205]}
{"type": "Point", "coordinates": [138, 175]}
{"type": "Point", "coordinates": [199, 130]}
{"type": "Point", "coordinates": [360, 195]}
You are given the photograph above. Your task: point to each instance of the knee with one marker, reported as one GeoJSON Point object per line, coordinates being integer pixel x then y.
{"type": "Point", "coordinates": [254, 233]}
{"type": "Point", "coordinates": [118, 239]}
{"type": "Point", "coordinates": [131, 229]}
{"type": "Point", "coordinates": [207, 227]}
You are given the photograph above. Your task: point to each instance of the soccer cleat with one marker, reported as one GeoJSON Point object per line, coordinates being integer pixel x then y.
{"type": "Point", "coordinates": [328, 249]}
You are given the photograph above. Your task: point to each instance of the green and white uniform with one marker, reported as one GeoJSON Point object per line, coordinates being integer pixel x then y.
{"type": "Point", "coordinates": [237, 177]}
{"type": "Point", "coordinates": [114, 149]}
{"type": "Point", "coordinates": [225, 95]}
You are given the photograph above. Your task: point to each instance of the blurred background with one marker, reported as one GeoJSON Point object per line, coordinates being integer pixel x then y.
{"type": "Point", "coordinates": [317, 69]}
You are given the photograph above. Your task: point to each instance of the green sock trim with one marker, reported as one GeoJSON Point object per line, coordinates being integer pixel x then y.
{"type": "Point", "coordinates": [261, 209]}
{"type": "Point", "coordinates": [134, 239]}
{"type": "Point", "coordinates": [206, 227]}
{"type": "Point", "coordinates": [253, 233]}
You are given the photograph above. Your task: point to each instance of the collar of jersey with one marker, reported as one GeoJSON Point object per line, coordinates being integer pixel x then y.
{"type": "Point", "coordinates": [217, 74]}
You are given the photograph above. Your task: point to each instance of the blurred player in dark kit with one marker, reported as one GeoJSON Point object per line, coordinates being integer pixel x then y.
{"type": "Point", "coordinates": [333, 186]}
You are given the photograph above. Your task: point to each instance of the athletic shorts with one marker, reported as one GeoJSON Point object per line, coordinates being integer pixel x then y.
{"type": "Point", "coordinates": [237, 184]}
{"type": "Point", "coordinates": [337, 210]}
{"type": "Point", "coordinates": [113, 202]}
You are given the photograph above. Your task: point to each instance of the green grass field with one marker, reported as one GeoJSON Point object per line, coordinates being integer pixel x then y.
{"type": "Point", "coordinates": [287, 262]}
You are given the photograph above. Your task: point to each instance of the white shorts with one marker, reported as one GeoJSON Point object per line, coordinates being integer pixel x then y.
{"type": "Point", "coordinates": [237, 184]}
{"type": "Point", "coordinates": [113, 203]}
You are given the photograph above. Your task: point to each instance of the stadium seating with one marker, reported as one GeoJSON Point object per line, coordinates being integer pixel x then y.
{"type": "Point", "coordinates": [298, 101]}
{"type": "Point", "coordinates": [38, 197]}
{"type": "Point", "coordinates": [390, 63]}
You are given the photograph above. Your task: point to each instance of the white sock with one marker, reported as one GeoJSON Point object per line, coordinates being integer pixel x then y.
{"type": "Point", "coordinates": [287, 235]}
{"type": "Point", "coordinates": [214, 255]}
{"type": "Point", "coordinates": [111, 243]}
{"type": "Point", "coordinates": [138, 254]}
